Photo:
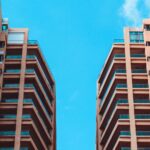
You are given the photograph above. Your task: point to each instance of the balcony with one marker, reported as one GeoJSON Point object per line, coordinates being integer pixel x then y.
{"type": "Point", "coordinates": [12, 133]}
{"type": "Point", "coordinates": [118, 41]}
{"type": "Point", "coordinates": [119, 56]}
{"type": "Point", "coordinates": [118, 86]}
{"type": "Point", "coordinates": [33, 42]}
{"type": "Point", "coordinates": [9, 85]}
{"type": "Point", "coordinates": [142, 116]}
{"type": "Point", "coordinates": [137, 55]}
{"type": "Point", "coordinates": [106, 118]}
{"type": "Point", "coordinates": [125, 133]}
{"type": "Point", "coordinates": [125, 148]}
{"type": "Point", "coordinates": [31, 57]}
{"type": "Point", "coordinates": [16, 101]}
{"type": "Point", "coordinates": [117, 71]}
{"type": "Point", "coordinates": [140, 86]}
{"type": "Point", "coordinates": [11, 148]}
{"type": "Point", "coordinates": [12, 71]}
{"type": "Point", "coordinates": [32, 86]}
{"type": "Point", "coordinates": [29, 42]}
{"type": "Point", "coordinates": [27, 116]}
{"type": "Point", "coordinates": [139, 71]}
{"type": "Point", "coordinates": [136, 41]}
{"type": "Point", "coordinates": [143, 133]}
{"type": "Point", "coordinates": [13, 57]}
{"type": "Point", "coordinates": [142, 101]}
{"type": "Point", "coordinates": [123, 116]}
{"type": "Point", "coordinates": [30, 71]}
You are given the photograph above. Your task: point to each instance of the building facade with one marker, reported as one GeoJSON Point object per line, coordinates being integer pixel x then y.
{"type": "Point", "coordinates": [123, 93]}
{"type": "Point", "coordinates": [27, 93]}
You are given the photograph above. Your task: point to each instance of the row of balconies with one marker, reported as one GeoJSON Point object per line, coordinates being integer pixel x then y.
{"type": "Point", "coordinates": [118, 67]}
{"type": "Point", "coordinates": [30, 98]}
{"type": "Point", "coordinates": [29, 57]}
{"type": "Point", "coordinates": [30, 115]}
{"type": "Point", "coordinates": [119, 54]}
{"type": "Point", "coordinates": [120, 113]}
{"type": "Point", "coordinates": [122, 130]}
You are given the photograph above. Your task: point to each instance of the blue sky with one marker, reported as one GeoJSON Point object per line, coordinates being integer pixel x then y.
{"type": "Point", "coordinates": [75, 37]}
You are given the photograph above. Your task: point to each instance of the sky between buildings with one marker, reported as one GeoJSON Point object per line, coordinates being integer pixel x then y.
{"type": "Point", "coordinates": [75, 37]}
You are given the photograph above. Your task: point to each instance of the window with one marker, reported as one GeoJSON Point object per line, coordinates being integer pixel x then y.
{"type": "Point", "coordinates": [1, 58]}
{"type": "Point", "coordinates": [147, 27]}
{"type": "Point", "coordinates": [147, 43]}
{"type": "Point", "coordinates": [136, 37]}
{"type": "Point", "coordinates": [15, 38]}
{"type": "Point", "coordinates": [2, 44]}
{"type": "Point", "coordinates": [4, 27]}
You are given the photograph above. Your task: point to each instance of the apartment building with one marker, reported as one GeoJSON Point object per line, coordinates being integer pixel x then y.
{"type": "Point", "coordinates": [123, 93]}
{"type": "Point", "coordinates": [27, 93]}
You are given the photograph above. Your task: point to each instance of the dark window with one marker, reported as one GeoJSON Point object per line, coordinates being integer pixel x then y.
{"type": "Point", "coordinates": [1, 58]}
{"type": "Point", "coordinates": [4, 27]}
{"type": "Point", "coordinates": [147, 27]}
{"type": "Point", "coordinates": [148, 43]}
{"type": "Point", "coordinates": [2, 44]}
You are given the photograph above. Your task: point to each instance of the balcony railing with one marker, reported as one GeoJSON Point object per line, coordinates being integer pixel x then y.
{"type": "Point", "coordinates": [30, 71]}
{"type": "Point", "coordinates": [117, 86]}
{"type": "Point", "coordinates": [13, 56]}
{"type": "Point", "coordinates": [11, 148]}
{"type": "Point", "coordinates": [9, 85]}
{"type": "Point", "coordinates": [10, 100]}
{"type": "Point", "coordinates": [31, 57]}
{"type": "Point", "coordinates": [128, 148]}
{"type": "Point", "coordinates": [139, 71]}
{"type": "Point", "coordinates": [142, 116]}
{"type": "Point", "coordinates": [137, 41]}
{"type": "Point", "coordinates": [125, 133]}
{"type": "Point", "coordinates": [141, 101]}
{"type": "Point", "coordinates": [30, 42]}
{"type": "Point", "coordinates": [12, 133]}
{"type": "Point", "coordinates": [12, 71]}
{"type": "Point", "coordinates": [143, 133]}
{"type": "Point", "coordinates": [27, 116]}
{"type": "Point", "coordinates": [137, 55]}
{"type": "Point", "coordinates": [32, 86]}
{"type": "Point", "coordinates": [119, 55]}
{"type": "Point", "coordinates": [140, 85]}
{"type": "Point", "coordinates": [7, 133]}
{"type": "Point", "coordinates": [33, 42]}
{"type": "Point", "coordinates": [122, 101]}
{"type": "Point", "coordinates": [19, 57]}
{"type": "Point", "coordinates": [120, 71]}
{"type": "Point", "coordinates": [121, 85]}
{"type": "Point", "coordinates": [118, 41]}
{"type": "Point", "coordinates": [7, 148]}
{"type": "Point", "coordinates": [123, 116]}
{"type": "Point", "coordinates": [16, 101]}
{"type": "Point", "coordinates": [144, 148]}
{"type": "Point", "coordinates": [125, 148]}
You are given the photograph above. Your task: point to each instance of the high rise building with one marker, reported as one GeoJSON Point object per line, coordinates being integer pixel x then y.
{"type": "Point", "coordinates": [27, 93]}
{"type": "Point", "coordinates": [123, 93]}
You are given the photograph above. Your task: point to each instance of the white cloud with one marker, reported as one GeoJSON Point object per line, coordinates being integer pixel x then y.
{"type": "Point", "coordinates": [130, 12]}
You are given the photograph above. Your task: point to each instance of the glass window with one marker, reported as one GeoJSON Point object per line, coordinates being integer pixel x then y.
{"type": "Point", "coordinates": [4, 27]}
{"type": "Point", "coordinates": [15, 37]}
{"type": "Point", "coordinates": [136, 37]}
